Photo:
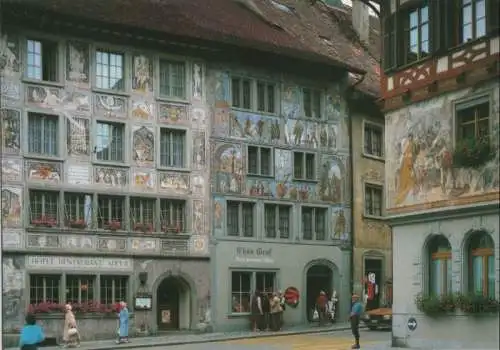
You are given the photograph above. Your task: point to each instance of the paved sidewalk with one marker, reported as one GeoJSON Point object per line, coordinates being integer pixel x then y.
{"type": "Point", "coordinates": [181, 339]}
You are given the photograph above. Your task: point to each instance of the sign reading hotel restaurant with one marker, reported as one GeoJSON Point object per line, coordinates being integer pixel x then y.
{"type": "Point", "coordinates": [250, 255]}
{"type": "Point", "coordinates": [78, 263]}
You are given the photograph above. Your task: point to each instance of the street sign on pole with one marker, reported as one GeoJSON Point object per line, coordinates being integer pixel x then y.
{"type": "Point", "coordinates": [412, 324]}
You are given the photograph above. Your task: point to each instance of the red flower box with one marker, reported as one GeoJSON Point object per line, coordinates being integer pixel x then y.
{"type": "Point", "coordinates": [171, 228]}
{"type": "Point", "coordinates": [46, 221]}
{"type": "Point", "coordinates": [80, 223]}
{"type": "Point", "coordinates": [143, 227]}
{"type": "Point", "coordinates": [113, 225]}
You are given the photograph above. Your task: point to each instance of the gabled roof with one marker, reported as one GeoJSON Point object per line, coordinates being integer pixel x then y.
{"type": "Point", "coordinates": [294, 28]}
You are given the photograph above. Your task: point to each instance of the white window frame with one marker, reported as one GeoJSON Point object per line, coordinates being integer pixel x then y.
{"type": "Point", "coordinates": [373, 186]}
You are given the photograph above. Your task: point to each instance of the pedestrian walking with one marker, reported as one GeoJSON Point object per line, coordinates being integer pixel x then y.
{"type": "Point", "coordinates": [123, 318]}
{"type": "Point", "coordinates": [321, 306]}
{"type": "Point", "coordinates": [71, 336]}
{"type": "Point", "coordinates": [266, 308]}
{"type": "Point", "coordinates": [356, 311]}
{"type": "Point", "coordinates": [31, 334]}
{"type": "Point", "coordinates": [283, 307]}
{"type": "Point", "coordinates": [257, 313]}
{"type": "Point", "coordinates": [275, 312]}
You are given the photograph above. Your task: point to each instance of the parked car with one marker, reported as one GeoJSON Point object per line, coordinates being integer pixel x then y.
{"type": "Point", "coordinates": [380, 318]}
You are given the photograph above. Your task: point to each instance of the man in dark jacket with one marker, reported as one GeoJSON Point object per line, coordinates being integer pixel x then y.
{"type": "Point", "coordinates": [266, 308]}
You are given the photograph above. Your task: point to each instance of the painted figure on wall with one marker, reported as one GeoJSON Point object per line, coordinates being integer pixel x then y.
{"type": "Point", "coordinates": [143, 145]}
{"type": "Point", "coordinates": [142, 80]}
{"type": "Point", "coordinates": [144, 180]}
{"type": "Point", "coordinates": [111, 177]}
{"type": "Point", "coordinates": [11, 206]}
{"type": "Point", "coordinates": [340, 224]}
{"type": "Point", "coordinates": [229, 163]}
{"type": "Point", "coordinates": [172, 113]}
{"type": "Point", "coordinates": [254, 127]}
{"type": "Point", "coordinates": [283, 172]}
{"type": "Point", "coordinates": [12, 292]}
{"type": "Point", "coordinates": [406, 175]}
{"type": "Point", "coordinates": [9, 55]}
{"type": "Point", "coordinates": [174, 182]}
{"type": "Point", "coordinates": [44, 97]}
{"type": "Point", "coordinates": [199, 150]}
{"type": "Point", "coordinates": [222, 90]}
{"type": "Point", "coordinates": [77, 65]}
{"type": "Point", "coordinates": [330, 183]}
{"type": "Point", "coordinates": [290, 103]}
{"type": "Point", "coordinates": [11, 170]}
{"type": "Point", "coordinates": [78, 136]}
{"type": "Point", "coordinates": [198, 217]}
{"type": "Point", "coordinates": [111, 106]}
{"type": "Point", "coordinates": [197, 89]}
{"type": "Point", "coordinates": [143, 110]}
{"type": "Point", "coordinates": [11, 130]}
{"type": "Point", "coordinates": [50, 172]}
{"type": "Point", "coordinates": [217, 214]}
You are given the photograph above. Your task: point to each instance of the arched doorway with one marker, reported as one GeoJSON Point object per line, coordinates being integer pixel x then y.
{"type": "Point", "coordinates": [173, 304]}
{"type": "Point", "coordinates": [319, 278]}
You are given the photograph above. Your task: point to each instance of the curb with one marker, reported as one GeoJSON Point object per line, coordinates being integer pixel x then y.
{"type": "Point", "coordinates": [221, 339]}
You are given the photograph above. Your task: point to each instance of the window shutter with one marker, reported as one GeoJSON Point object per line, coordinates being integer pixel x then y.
{"type": "Point", "coordinates": [492, 16]}
{"type": "Point", "coordinates": [389, 43]}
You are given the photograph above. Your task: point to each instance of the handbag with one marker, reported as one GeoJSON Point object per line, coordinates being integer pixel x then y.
{"type": "Point", "coordinates": [72, 331]}
{"type": "Point", "coordinates": [315, 315]}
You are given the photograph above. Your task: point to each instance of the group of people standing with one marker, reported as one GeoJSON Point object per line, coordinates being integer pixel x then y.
{"type": "Point", "coordinates": [267, 311]}
{"type": "Point", "coordinates": [32, 334]}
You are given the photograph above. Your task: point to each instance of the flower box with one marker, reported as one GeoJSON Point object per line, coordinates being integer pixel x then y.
{"type": "Point", "coordinates": [113, 225]}
{"type": "Point", "coordinates": [472, 152]}
{"type": "Point", "coordinates": [435, 306]}
{"type": "Point", "coordinates": [92, 307]}
{"type": "Point", "coordinates": [44, 221]}
{"type": "Point", "coordinates": [81, 224]}
{"type": "Point", "coordinates": [143, 227]}
{"type": "Point", "coordinates": [171, 228]}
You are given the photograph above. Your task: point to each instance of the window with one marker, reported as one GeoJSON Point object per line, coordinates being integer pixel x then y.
{"type": "Point", "coordinates": [473, 120]}
{"type": "Point", "coordinates": [142, 212]}
{"type": "Point", "coordinates": [314, 223]}
{"type": "Point", "coordinates": [240, 291]}
{"type": "Point", "coordinates": [173, 79]}
{"type": "Point", "coordinates": [44, 289]}
{"type": "Point", "coordinates": [312, 103]}
{"type": "Point", "coordinates": [44, 208]}
{"type": "Point", "coordinates": [277, 221]}
{"type": "Point", "coordinates": [113, 289]}
{"type": "Point", "coordinates": [79, 289]}
{"type": "Point", "coordinates": [373, 200]}
{"type": "Point", "coordinates": [481, 265]}
{"type": "Point", "coordinates": [417, 33]}
{"type": "Point", "coordinates": [173, 215]}
{"type": "Point", "coordinates": [440, 266]}
{"type": "Point", "coordinates": [373, 140]}
{"type": "Point", "coordinates": [304, 166]}
{"type": "Point", "coordinates": [240, 219]}
{"type": "Point", "coordinates": [389, 45]}
{"type": "Point", "coordinates": [110, 141]}
{"type": "Point", "coordinates": [266, 94]}
{"type": "Point", "coordinates": [265, 282]}
{"type": "Point", "coordinates": [42, 60]}
{"type": "Point", "coordinates": [172, 148]}
{"type": "Point", "coordinates": [110, 69]}
{"type": "Point", "coordinates": [43, 134]}
{"type": "Point", "coordinates": [77, 210]}
{"type": "Point", "coordinates": [472, 19]}
{"type": "Point", "coordinates": [260, 161]}
{"type": "Point", "coordinates": [241, 92]}
{"type": "Point", "coordinates": [110, 212]}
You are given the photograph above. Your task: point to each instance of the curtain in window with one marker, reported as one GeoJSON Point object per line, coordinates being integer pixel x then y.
{"type": "Point", "coordinates": [477, 274]}
{"type": "Point", "coordinates": [449, 284]}
{"type": "Point", "coordinates": [178, 149]}
{"type": "Point", "coordinates": [50, 136]}
{"type": "Point", "coordinates": [491, 276]}
{"type": "Point", "coordinates": [436, 277]}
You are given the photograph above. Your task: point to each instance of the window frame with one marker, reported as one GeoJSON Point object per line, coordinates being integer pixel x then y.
{"type": "Point", "coordinates": [304, 166]}
{"type": "Point", "coordinates": [253, 285]}
{"type": "Point", "coordinates": [460, 22]}
{"type": "Point", "coordinates": [485, 253]}
{"type": "Point", "coordinates": [44, 277]}
{"type": "Point", "coordinates": [259, 161]}
{"type": "Point", "coordinates": [275, 95]}
{"type": "Point", "coordinates": [470, 102]}
{"type": "Point", "coordinates": [80, 277]}
{"type": "Point", "coordinates": [44, 204]}
{"type": "Point", "coordinates": [113, 278]}
{"type": "Point", "coordinates": [313, 91]}
{"type": "Point", "coordinates": [133, 222]}
{"type": "Point", "coordinates": [185, 154]}
{"type": "Point", "coordinates": [253, 89]}
{"type": "Point", "coordinates": [314, 234]}
{"type": "Point", "coordinates": [171, 59]}
{"type": "Point", "coordinates": [406, 29]}
{"type": "Point", "coordinates": [59, 79]}
{"type": "Point", "coordinates": [106, 219]}
{"type": "Point", "coordinates": [278, 234]}
{"type": "Point", "coordinates": [67, 215]}
{"type": "Point", "coordinates": [241, 231]}
{"type": "Point", "coordinates": [371, 187]}
{"type": "Point", "coordinates": [372, 126]}
{"type": "Point", "coordinates": [123, 127]}
{"type": "Point", "coordinates": [445, 257]}
{"type": "Point", "coordinates": [59, 136]}
{"type": "Point", "coordinates": [163, 224]}
{"type": "Point", "coordinates": [125, 70]}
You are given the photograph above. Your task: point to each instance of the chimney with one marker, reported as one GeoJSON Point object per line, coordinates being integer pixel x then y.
{"type": "Point", "coordinates": [361, 20]}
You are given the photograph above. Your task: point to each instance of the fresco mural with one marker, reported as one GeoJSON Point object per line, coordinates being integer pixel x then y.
{"type": "Point", "coordinates": [11, 130]}
{"type": "Point", "coordinates": [43, 171]}
{"type": "Point", "coordinates": [305, 134]}
{"type": "Point", "coordinates": [197, 81]}
{"type": "Point", "coordinates": [143, 180]}
{"type": "Point", "coordinates": [12, 170]}
{"type": "Point", "coordinates": [143, 110]}
{"type": "Point", "coordinates": [197, 185]}
{"type": "Point", "coordinates": [199, 150]}
{"type": "Point", "coordinates": [333, 106]}
{"type": "Point", "coordinates": [170, 113]}
{"type": "Point", "coordinates": [222, 96]}
{"type": "Point", "coordinates": [198, 217]}
{"type": "Point", "coordinates": [9, 55]}
{"type": "Point", "coordinates": [419, 155]}
{"type": "Point", "coordinates": [142, 70]}
{"type": "Point", "coordinates": [219, 210]}
{"type": "Point", "coordinates": [228, 165]}
{"type": "Point", "coordinates": [254, 128]}
{"type": "Point", "coordinates": [110, 177]}
{"type": "Point", "coordinates": [330, 180]}
{"type": "Point", "coordinates": [220, 124]}
{"type": "Point", "coordinates": [13, 274]}
{"type": "Point", "coordinates": [199, 118]}
{"type": "Point", "coordinates": [174, 182]}
{"type": "Point", "coordinates": [143, 145]}
{"type": "Point", "coordinates": [77, 62]}
{"type": "Point", "coordinates": [290, 102]}
{"type": "Point", "coordinates": [78, 136]}
{"type": "Point", "coordinates": [110, 106]}
{"type": "Point", "coordinates": [12, 206]}
{"type": "Point", "coordinates": [11, 92]}
{"type": "Point", "coordinates": [43, 97]}
{"type": "Point", "coordinates": [340, 223]}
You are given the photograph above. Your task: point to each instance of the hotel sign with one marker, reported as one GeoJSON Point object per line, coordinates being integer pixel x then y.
{"type": "Point", "coordinates": [250, 255]}
{"type": "Point", "coordinates": [44, 262]}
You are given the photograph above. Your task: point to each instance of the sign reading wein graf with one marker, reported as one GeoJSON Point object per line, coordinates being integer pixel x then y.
{"type": "Point", "coordinates": [250, 255]}
{"type": "Point", "coordinates": [43, 262]}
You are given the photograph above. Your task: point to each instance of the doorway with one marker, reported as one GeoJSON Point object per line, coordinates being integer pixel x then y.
{"type": "Point", "coordinates": [319, 278]}
{"type": "Point", "coordinates": [172, 304]}
{"type": "Point", "coordinates": [373, 266]}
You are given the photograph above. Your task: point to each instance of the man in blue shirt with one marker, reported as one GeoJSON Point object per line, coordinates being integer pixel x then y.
{"type": "Point", "coordinates": [31, 334]}
{"type": "Point", "coordinates": [356, 311]}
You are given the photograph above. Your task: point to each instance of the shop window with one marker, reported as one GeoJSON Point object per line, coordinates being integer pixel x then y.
{"type": "Point", "coordinates": [265, 282]}
{"type": "Point", "coordinates": [80, 289]}
{"type": "Point", "coordinates": [314, 223]}
{"type": "Point", "coordinates": [113, 289]}
{"type": "Point", "coordinates": [440, 280]}
{"type": "Point", "coordinates": [481, 264]}
{"type": "Point", "coordinates": [240, 291]}
{"type": "Point", "coordinates": [277, 220]}
{"type": "Point", "coordinates": [44, 289]}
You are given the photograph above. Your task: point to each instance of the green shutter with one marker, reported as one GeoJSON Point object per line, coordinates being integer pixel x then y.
{"type": "Point", "coordinates": [492, 16]}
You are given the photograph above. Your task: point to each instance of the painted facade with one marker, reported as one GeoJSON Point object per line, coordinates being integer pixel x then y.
{"type": "Point", "coordinates": [75, 168]}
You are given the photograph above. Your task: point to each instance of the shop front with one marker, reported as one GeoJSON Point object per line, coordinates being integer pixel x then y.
{"type": "Point", "coordinates": [302, 271]}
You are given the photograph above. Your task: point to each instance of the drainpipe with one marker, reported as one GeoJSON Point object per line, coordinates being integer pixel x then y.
{"type": "Point", "coordinates": [348, 94]}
